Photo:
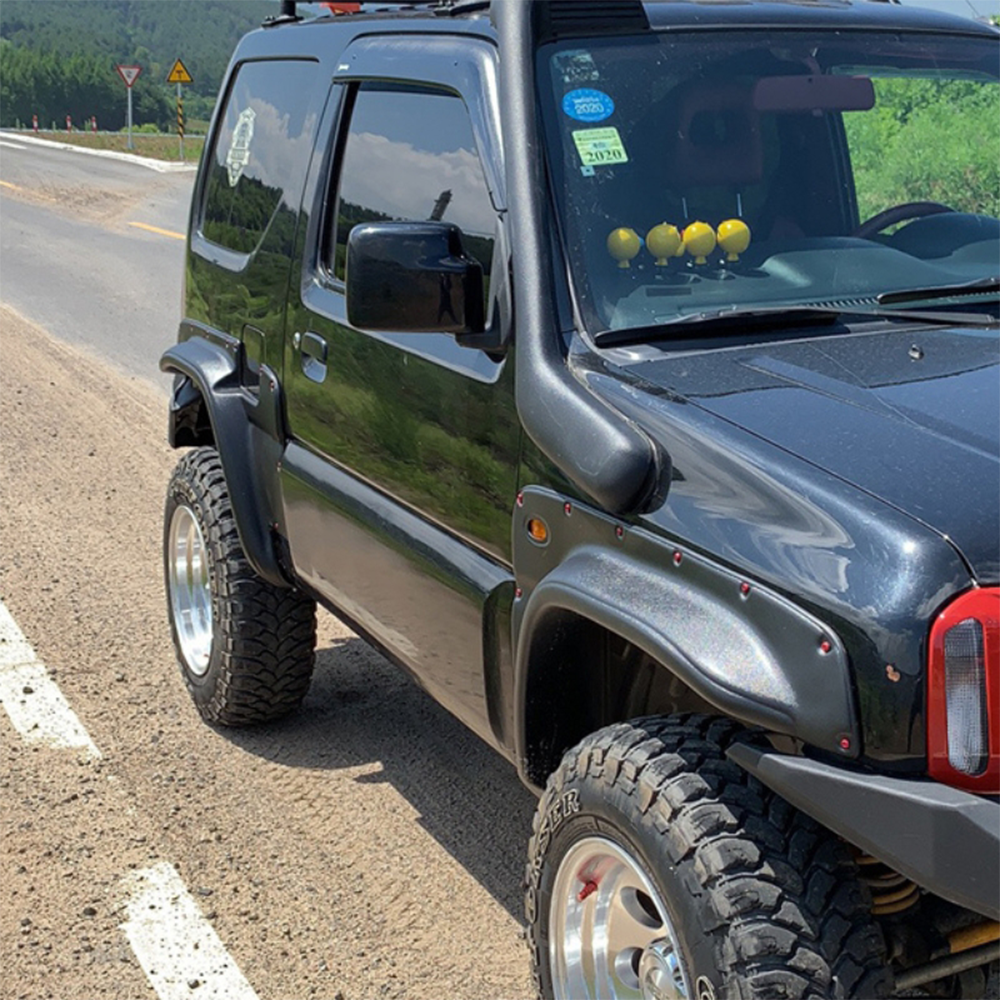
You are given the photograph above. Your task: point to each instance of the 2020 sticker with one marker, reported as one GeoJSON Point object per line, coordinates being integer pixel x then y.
{"type": "Point", "coordinates": [587, 105]}
{"type": "Point", "coordinates": [599, 147]}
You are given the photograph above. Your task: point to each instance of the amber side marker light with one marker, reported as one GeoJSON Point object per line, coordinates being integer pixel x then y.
{"type": "Point", "coordinates": [538, 530]}
{"type": "Point", "coordinates": [963, 693]}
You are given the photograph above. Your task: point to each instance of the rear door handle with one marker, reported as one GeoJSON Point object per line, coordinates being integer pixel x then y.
{"type": "Point", "coordinates": [314, 353]}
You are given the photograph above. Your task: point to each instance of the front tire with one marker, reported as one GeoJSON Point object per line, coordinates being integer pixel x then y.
{"type": "Point", "coordinates": [245, 647]}
{"type": "Point", "coordinates": [658, 868]}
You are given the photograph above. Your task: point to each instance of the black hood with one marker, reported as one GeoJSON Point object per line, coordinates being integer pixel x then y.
{"type": "Point", "coordinates": [912, 418]}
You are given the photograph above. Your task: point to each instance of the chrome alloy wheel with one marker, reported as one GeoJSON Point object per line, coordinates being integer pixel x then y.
{"type": "Point", "coordinates": [190, 589]}
{"type": "Point", "coordinates": [609, 933]}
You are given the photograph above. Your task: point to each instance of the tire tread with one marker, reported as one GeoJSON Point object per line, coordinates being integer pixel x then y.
{"type": "Point", "coordinates": [266, 635]}
{"type": "Point", "coordinates": [798, 919]}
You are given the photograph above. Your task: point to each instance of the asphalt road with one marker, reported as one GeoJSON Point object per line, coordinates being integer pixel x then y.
{"type": "Point", "coordinates": [368, 847]}
{"type": "Point", "coordinates": [76, 255]}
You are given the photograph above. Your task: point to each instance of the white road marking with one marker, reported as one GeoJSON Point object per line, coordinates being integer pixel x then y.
{"type": "Point", "coordinates": [11, 145]}
{"type": "Point", "coordinates": [32, 699]}
{"type": "Point", "coordinates": [14, 648]}
{"type": "Point", "coordinates": [176, 946]}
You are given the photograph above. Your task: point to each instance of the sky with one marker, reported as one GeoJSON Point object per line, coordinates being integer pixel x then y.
{"type": "Point", "coordinates": [974, 8]}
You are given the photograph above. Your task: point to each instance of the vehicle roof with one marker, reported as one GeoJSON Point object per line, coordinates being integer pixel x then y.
{"type": "Point", "coordinates": [299, 38]}
{"type": "Point", "coordinates": [708, 13]}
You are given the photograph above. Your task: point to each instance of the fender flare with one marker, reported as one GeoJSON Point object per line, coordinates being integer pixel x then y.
{"type": "Point", "coordinates": [245, 432]}
{"type": "Point", "coordinates": [756, 657]}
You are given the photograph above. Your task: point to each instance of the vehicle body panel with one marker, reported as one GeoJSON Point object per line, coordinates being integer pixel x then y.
{"type": "Point", "coordinates": [743, 648]}
{"type": "Point", "coordinates": [897, 413]}
{"type": "Point", "coordinates": [874, 575]}
{"type": "Point", "coordinates": [374, 402]}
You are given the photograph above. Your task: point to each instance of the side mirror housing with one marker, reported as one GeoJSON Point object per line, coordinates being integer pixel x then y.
{"type": "Point", "coordinates": [413, 277]}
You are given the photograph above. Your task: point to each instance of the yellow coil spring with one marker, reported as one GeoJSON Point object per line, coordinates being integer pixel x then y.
{"type": "Point", "coordinates": [891, 892]}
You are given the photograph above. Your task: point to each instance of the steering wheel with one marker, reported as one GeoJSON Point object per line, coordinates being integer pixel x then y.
{"type": "Point", "coordinates": [899, 213]}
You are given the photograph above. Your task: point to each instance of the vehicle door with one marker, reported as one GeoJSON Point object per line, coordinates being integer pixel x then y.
{"type": "Point", "coordinates": [401, 475]}
{"type": "Point", "coordinates": [247, 207]}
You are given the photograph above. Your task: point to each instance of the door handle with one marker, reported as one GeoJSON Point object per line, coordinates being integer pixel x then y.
{"type": "Point", "coordinates": [314, 354]}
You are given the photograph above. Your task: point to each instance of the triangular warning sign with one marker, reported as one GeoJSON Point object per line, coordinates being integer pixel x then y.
{"type": "Point", "coordinates": [179, 74]}
{"type": "Point", "coordinates": [129, 74]}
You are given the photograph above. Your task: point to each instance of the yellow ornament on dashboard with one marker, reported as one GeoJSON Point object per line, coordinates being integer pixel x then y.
{"type": "Point", "coordinates": [699, 241]}
{"type": "Point", "coordinates": [734, 238]}
{"type": "Point", "coordinates": [664, 241]}
{"type": "Point", "coordinates": [624, 244]}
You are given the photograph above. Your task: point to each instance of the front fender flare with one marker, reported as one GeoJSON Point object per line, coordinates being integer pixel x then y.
{"type": "Point", "coordinates": [243, 438]}
{"type": "Point", "coordinates": [751, 653]}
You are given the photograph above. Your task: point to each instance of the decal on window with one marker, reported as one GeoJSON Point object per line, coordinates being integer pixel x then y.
{"type": "Point", "coordinates": [599, 147]}
{"type": "Point", "coordinates": [587, 105]}
{"type": "Point", "coordinates": [239, 149]}
{"type": "Point", "coordinates": [577, 67]}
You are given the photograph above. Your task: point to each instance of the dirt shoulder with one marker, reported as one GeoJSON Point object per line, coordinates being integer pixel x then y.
{"type": "Point", "coordinates": [367, 847]}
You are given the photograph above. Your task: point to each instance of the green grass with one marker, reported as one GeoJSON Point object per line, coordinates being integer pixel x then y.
{"type": "Point", "coordinates": [156, 147]}
{"type": "Point", "coordinates": [928, 141]}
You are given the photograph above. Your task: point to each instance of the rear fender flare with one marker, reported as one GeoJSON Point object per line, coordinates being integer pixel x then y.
{"type": "Point", "coordinates": [247, 437]}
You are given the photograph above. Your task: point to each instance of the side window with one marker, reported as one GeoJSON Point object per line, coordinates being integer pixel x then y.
{"type": "Point", "coordinates": [258, 161]}
{"type": "Point", "coordinates": [410, 156]}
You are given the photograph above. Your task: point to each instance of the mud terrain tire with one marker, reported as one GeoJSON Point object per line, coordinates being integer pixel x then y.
{"type": "Point", "coordinates": [762, 901]}
{"type": "Point", "coordinates": [245, 647]}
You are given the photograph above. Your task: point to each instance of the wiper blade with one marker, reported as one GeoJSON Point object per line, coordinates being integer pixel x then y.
{"type": "Point", "coordinates": [977, 287]}
{"type": "Point", "coordinates": [722, 321]}
{"type": "Point", "coordinates": [775, 318]}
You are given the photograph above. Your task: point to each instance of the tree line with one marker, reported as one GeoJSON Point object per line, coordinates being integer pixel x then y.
{"type": "Point", "coordinates": [58, 58]}
{"type": "Point", "coordinates": [82, 87]}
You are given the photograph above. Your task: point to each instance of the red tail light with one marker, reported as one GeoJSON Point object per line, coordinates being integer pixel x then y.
{"type": "Point", "coordinates": [963, 693]}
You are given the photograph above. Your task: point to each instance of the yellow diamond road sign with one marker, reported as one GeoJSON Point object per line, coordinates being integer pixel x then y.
{"type": "Point", "coordinates": [179, 74]}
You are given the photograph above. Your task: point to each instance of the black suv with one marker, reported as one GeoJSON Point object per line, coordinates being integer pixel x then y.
{"type": "Point", "coordinates": [628, 373]}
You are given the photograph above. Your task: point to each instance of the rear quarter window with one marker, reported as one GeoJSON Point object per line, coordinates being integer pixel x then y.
{"type": "Point", "coordinates": [257, 164]}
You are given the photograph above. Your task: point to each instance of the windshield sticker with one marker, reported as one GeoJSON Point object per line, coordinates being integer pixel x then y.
{"type": "Point", "coordinates": [239, 149]}
{"type": "Point", "coordinates": [587, 105]}
{"type": "Point", "coordinates": [599, 147]}
{"type": "Point", "coordinates": [577, 67]}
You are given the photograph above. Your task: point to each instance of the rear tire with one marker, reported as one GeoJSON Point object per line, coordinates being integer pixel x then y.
{"type": "Point", "coordinates": [659, 868]}
{"type": "Point", "coordinates": [245, 647]}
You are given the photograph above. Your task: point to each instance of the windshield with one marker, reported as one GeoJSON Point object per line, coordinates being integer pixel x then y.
{"type": "Point", "coordinates": [704, 172]}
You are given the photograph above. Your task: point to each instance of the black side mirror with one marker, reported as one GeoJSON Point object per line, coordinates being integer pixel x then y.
{"type": "Point", "coordinates": [412, 277]}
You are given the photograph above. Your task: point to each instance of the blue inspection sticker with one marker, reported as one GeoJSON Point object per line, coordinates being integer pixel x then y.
{"type": "Point", "coordinates": [586, 105]}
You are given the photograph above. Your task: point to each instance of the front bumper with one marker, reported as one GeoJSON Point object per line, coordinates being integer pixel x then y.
{"type": "Point", "coordinates": [944, 839]}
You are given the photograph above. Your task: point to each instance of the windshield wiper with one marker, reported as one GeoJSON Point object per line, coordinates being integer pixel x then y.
{"type": "Point", "coordinates": [977, 287]}
{"type": "Point", "coordinates": [774, 318]}
{"type": "Point", "coordinates": [722, 321]}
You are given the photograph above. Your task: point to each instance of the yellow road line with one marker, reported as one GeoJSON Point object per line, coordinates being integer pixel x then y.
{"type": "Point", "coordinates": [7, 184]}
{"type": "Point", "coordinates": [156, 229]}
